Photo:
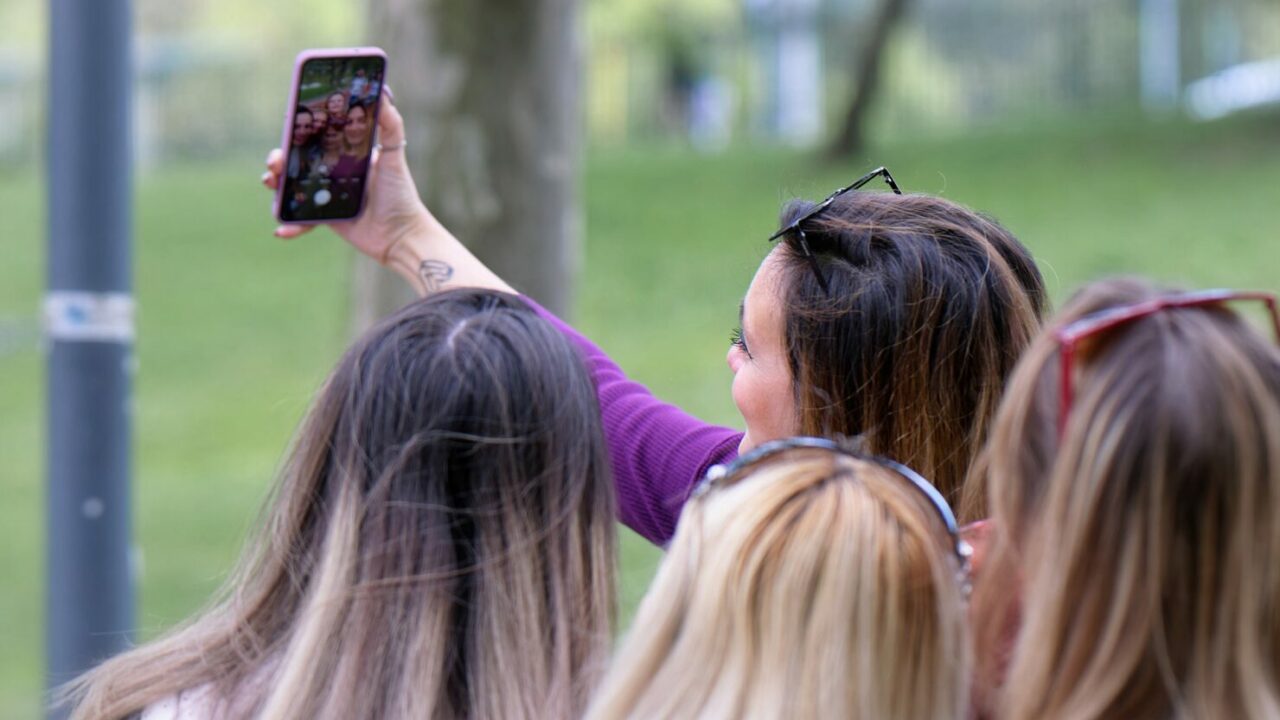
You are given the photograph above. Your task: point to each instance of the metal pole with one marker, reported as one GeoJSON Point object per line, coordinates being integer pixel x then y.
{"type": "Point", "coordinates": [1159, 54]}
{"type": "Point", "coordinates": [89, 334]}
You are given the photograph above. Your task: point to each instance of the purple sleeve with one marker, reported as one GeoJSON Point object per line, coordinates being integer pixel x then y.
{"type": "Point", "coordinates": [658, 451]}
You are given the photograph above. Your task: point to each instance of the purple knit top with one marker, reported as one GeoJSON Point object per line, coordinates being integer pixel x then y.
{"type": "Point", "coordinates": [658, 451]}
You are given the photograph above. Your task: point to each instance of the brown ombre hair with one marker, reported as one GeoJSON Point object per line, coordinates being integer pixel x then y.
{"type": "Point", "coordinates": [1144, 534]}
{"type": "Point", "coordinates": [439, 544]}
{"type": "Point", "coordinates": [929, 306]}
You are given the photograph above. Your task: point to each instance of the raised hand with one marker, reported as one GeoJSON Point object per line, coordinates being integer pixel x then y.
{"type": "Point", "coordinates": [393, 212]}
{"type": "Point", "coordinates": [396, 229]}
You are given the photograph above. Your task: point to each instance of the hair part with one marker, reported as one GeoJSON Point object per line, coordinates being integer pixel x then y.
{"type": "Point", "coordinates": [440, 542]}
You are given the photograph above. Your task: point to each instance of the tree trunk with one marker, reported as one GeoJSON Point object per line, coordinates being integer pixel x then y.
{"type": "Point", "coordinates": [490, 95]}
{"type": "Point", "coordinates": [851, 136]}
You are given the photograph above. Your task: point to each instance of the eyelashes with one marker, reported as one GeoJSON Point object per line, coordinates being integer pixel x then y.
{"type": "Point", "coordinates": [736, 339]}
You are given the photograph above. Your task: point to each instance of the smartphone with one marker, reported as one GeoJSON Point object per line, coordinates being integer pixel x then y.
{"type": "Point", "coordinates": [329, 132]}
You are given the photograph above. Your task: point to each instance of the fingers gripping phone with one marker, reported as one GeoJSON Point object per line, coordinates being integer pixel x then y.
{"type": "Point", "coordinates": [329, 134]}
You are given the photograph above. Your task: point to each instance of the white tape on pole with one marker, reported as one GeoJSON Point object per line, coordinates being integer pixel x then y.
{"type": "Point", "coordinates": [89, 317]}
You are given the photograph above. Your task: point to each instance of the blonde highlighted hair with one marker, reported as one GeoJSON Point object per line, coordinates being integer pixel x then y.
{"type": "Point", "coordinates": [816, 586]}
{"type": "Point", "coordinates": [1144, 532]}
{"type": "Point", "coordinates": [440, 543]}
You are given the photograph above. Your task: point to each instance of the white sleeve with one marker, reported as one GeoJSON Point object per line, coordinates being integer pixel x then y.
{"type": "Point", "coordinates": [191, 704]}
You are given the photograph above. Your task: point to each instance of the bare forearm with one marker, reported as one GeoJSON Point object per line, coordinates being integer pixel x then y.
{"type": "Point", "coordinates": [431, 259]}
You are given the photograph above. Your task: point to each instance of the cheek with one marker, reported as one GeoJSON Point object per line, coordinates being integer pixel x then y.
{"type": "Point", "coordinates": [764, 399]}
{"type": "Point", "coordinates": [762, 405]}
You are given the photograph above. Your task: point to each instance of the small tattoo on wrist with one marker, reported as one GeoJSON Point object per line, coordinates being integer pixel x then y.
{"type": "Point", "coordinates": [434, 274]}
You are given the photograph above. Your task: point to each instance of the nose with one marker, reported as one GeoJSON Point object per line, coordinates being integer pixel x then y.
{"type": "Point", "coordinates": [732, 360]}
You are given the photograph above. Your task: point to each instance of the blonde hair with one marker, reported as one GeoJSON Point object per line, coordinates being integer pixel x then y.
{"type": "Point", "coordinates": [1146, 537]}
{"type": "Point", "coordinates": [817, 586]}
{"type": "Point", "coordinates": [440, 543]}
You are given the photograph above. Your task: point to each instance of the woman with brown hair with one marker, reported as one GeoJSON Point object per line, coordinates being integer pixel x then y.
{"type": "Point", "coordinates": [330, 147]}
{"type": "Point", "coordinates": [440, 543]}
{"type": "Point", "coordinates": [1134, 473]}
{"type": "Point", "coordinates": [895, 317]}
{"type": "Point", "coordinates": [336, 105]}
{"type": "Point", "coordinates": [805, 581]}
{"type": "Point", "coordinates": [356, 136]}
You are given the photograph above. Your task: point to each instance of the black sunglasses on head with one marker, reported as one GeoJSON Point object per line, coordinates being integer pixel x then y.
{"type": "Point", "coordinates": [794, 226]}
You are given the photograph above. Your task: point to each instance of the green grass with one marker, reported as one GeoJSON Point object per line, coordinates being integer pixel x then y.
{"type": "Point", "coordinates": [236, 329]}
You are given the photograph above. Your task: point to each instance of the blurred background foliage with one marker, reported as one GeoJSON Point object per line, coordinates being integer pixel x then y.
{"type": "Point", "coordinates": [710, 73]}
{"type": "Point", "coordinates": [703, 116]}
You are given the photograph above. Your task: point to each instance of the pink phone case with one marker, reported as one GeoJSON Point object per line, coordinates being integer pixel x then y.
{"type": "Point", "coordinates": [294, 101]}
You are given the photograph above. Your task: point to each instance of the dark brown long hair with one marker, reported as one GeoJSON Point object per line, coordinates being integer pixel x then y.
{"type": "Point", "coordinates": [930, 304]}
{"type": "Point", "coordinates": [1137, 545]}
{"type": "Point", "coordinates": [440, 543]}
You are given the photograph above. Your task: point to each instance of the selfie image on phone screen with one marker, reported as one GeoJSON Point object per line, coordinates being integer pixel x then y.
{"type": "Point", "coordinates": [331, 139]}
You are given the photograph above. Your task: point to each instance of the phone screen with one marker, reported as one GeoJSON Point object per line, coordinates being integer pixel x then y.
{"type": "Point", "coordinates": [331, 139]}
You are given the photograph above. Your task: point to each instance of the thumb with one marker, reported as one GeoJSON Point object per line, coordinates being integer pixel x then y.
{"type": "Point", "coordinates": [390, 123]}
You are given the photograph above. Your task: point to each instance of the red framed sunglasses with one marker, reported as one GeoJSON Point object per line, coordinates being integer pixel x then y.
{"type": "Point", "coordinates": [1071, 335]}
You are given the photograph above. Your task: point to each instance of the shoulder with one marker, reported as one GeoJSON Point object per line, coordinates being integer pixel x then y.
{"type": "Point", "coordinates": [193, 704]}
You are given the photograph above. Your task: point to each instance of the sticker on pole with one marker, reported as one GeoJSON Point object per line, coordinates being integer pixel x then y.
{"type": "Point", "coordinates": [89, 317]}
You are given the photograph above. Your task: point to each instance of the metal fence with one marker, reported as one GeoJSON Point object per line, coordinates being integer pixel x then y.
{"type": "Point", "coordinates": [780, 71]}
